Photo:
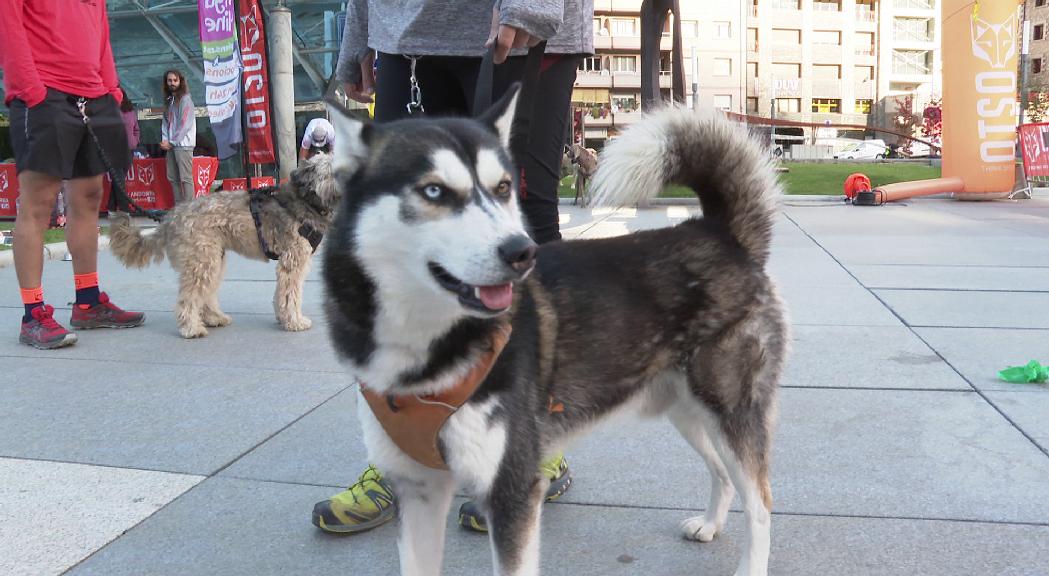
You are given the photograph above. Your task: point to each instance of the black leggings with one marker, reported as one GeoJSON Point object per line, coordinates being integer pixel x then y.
{"type": "Point", "coordinates": [447, 84]}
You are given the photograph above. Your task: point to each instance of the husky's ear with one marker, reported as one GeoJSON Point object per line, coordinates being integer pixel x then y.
{"type": "Point", "coordinates": [501, 115]}
{"type": "Point", "coordinates": [352, 139]}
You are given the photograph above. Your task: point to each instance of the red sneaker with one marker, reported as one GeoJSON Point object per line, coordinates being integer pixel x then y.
{"type": "Point", "coordinates": [43, 332]}
{"type": "Point", "coordinates": [105, 314]}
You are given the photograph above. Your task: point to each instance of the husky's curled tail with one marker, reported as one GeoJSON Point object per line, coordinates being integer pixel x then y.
{"type": "Point", "coordinates": [730, 172]}
{"type": "Point", "coordinates": [133, 248]}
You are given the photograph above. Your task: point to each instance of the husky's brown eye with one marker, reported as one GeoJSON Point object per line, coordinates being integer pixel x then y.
{"type": "Point", "coordinates": [503, 189]}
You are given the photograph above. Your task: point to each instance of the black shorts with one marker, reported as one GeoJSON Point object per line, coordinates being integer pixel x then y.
{"type": "Point", "coordinates": [51, 137]}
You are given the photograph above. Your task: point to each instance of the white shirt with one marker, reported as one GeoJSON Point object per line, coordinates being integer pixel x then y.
{"type": "Point", "coordinates": [307, 138]}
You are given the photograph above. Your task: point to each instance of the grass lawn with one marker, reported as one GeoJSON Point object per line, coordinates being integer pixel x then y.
{"type": "Point", "coordinates": [816, 178]}
{"type": "Point", "coordinates": [50, 236]}
{"type": "Point", "coordinates": [828, 178]}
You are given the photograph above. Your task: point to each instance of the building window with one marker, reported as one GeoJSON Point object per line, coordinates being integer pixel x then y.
{"type": "Point", "coordinates": [723, 101]}
{"type": "Point", "coordinates": [787, 36]}
{"type": "Point", "coordinates": [1036, 66]}
{"type": "Point", "coordinates": [625, 103]}
{"type": "Point", "coordinates": [591, 64]}
{"type": "Point", "coordinates": [864, 106]}
{"type": "Point", "coordinates": [689, 28]}
{"type": "Point", "coordinates": [826, 106]}
{"type": "Point", "coordinates": [752, 39]}
{"type": "Point", "coordinates": [624, 64]}
{"type": "Point", "coordinates": [752, 105]}
{"type": "Point", "coordinates": [913, 29]}
{"type": "Point", "coordinates": [722, 29]}
{"type": "Point", "coordinates": [786, 70]}
{"type": "Point", "coordinates": [929, 4]}
{"type": "Point", "coordinates": [826, 72]}
{"type": "Point", "coordinates": [826, 5]}
{"type": "Point", "coordinates": [786, 4]}
{"type": "Point", "coordinates": [1039, 2]}
{"type": "Point", "coordinates": [827, 37]}
{"type": "Point", "coordinates": [864, 42]}
{"type": "Point", "coordinates": [1039, 31]}
{"type": "Point", "coordinates": [865, 10]}
{"type": "Point", "coordinates": [624, 27]}
{"type": "Point", "coordinates": [752, 69]}
{"type": "Point", "coordinates": [864, 73]}
{"type": "Point", "coordinates": [723, 67]}
{"type": "Point", "coordinates": [912, 61]}
{"type": "Point", "coordinates": [788, 105]}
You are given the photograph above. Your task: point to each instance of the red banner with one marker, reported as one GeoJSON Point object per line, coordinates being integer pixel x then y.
{"type": "Point", "coordinates": [256, 83]}
{"type": "Point", "coordinates": [241, 184]}
{"type": "Point", "coordinates": [1034, 140]}
{"type": "Point", "coordinates": [147, 181]}
{"type": "Point", "coordinates": [8, 191]}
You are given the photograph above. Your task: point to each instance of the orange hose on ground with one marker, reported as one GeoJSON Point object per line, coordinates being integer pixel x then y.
{"type": "Point", "coordinates": [903, 190]}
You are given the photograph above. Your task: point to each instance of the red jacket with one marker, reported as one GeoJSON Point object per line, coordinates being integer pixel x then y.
{"type": "Point", "coordinates": [60, 44]}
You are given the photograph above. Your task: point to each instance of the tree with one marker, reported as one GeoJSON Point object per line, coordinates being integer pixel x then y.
{"type": "Point", "coordinates": [1037, 107]}
{"type": "Point", "coordinates": [932, 121]}
{"type": "Point", "coordinates": [905, 121]}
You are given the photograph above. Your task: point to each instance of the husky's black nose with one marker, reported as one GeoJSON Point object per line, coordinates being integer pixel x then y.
{"type": "Point", "coordinates": [518, 252]}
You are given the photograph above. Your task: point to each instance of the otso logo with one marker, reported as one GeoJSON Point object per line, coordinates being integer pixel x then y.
{"type": "Point", "coordinates": [146, 175]}
{"type": "Point", "coordinates": [203, 176]}
{"type": "Point", "coordinates": [996, 45]}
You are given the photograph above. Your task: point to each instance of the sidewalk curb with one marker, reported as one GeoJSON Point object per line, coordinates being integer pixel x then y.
{"type": "Point", "coordinates": [55, 251]}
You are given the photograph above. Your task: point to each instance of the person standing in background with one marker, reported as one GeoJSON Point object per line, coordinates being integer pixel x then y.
{"type": "Point", "coordinates": [178, 134]}
{"type": "Point", "coordinates": [54, 84]}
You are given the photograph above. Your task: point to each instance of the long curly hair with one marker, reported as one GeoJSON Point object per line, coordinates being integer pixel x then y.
{"type": "Point", "coordinates": [183, 86]}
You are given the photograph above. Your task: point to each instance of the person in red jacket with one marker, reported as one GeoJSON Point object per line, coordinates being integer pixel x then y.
{"type": "Point", "coordinates": [52, 80]}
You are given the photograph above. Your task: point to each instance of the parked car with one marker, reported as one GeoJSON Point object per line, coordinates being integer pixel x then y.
{"type": "Point", "coordinates": [866, 150]}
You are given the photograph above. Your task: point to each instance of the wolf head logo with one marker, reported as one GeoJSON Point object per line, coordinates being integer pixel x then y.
{"type": "Point", "coordinates": [146, 175]}
{"type": "Point", "coordinates": [3, 182]}
{"type": "Point", "coordinates": [203, 176]}
{"type": "Point", "coordinates": [994, 43]}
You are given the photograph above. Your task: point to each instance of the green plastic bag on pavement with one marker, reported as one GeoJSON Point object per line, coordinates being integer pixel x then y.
{"type": "Point", "coordinates": [1032, 372]}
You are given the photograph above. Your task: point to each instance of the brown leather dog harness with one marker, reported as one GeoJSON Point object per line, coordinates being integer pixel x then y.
{"type": "Point", "coordinates": [413, 422]}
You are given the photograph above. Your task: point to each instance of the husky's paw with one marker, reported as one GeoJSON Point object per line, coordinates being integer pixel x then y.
{"type": "Point", "coordinates": [216, 319]}
{"type": "Point", "coordinates": [699, 528]}
{"type": "Point", "coordinates": [193, 331]}
{"type": "Point", "coordinates": [297, 324]}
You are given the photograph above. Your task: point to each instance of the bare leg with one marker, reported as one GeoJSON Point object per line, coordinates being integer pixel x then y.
{"type": "Point", "coordinates": [36, 199]}
{"type": "Point", "coordinates": [85, 199]}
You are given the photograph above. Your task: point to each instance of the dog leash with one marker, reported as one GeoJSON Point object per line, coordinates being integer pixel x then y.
{"type": "Point", "coordinates": [117, 182]}
{"type": "Point", "coordinates": [306, 230]}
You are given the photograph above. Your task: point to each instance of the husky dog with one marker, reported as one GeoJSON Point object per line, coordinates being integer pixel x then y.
{"type": "Point", "coordinates": [195, 236]}
{"type": "Point", "coordinates": [428, 258]}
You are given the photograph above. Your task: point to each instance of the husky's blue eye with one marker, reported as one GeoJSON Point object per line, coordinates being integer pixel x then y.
{"type": "Point", "coordinates": [433, 191]}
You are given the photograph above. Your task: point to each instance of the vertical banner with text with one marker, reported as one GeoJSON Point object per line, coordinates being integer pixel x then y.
{"type": "Point", "coordinates": [218, 40]}
{"type": "Point", "coordinates": [256, 83]}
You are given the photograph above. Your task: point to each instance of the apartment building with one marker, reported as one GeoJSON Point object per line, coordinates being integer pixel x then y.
{"type": "Point", "coordinates": [1037, 13]}
{"type": "Point", "coordinates": [838, 61]}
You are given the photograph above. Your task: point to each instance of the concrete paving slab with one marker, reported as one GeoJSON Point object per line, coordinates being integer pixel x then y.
{"type": "Point", "coordinates": [939, 308]}
{"type": "Point", "coordinates": [1014, 278]}
{"type": "Point", "coordinates": [253, 341]}
{"type": "Point", "coordinates": [958, 249]}
{"type": "Point", "coordinates": [205, 532]}
{"type": "Point", "coordinates": [978, 354]}
{"type": "Point", "coordinates": [55, 514]}
{"type": "Point", "coordinates": [842, 305]}
{"type": "Point", "coordinates": [808, 266]}
{"type": "Point", "coordinates": [323, 448]}
{"type": "Point", "coordinates": [866, 357]}
{"type": "Point", "coordinates": [906, 454]}
{"type": "Point", "coordinates": [190, 419]}
{"type": "Point", "coordinates": [1028, 409]}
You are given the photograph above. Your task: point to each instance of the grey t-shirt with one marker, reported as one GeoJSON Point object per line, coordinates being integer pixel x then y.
{"type": "Point", "coordinates": [457, 27]}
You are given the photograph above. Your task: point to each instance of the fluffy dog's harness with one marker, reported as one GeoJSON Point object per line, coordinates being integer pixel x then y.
{"type": "Point", "coordinates": [413, 422]}
{"type": "Point", "coordinates": [255, 199]}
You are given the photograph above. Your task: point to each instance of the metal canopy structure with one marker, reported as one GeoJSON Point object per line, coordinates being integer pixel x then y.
{"type": "Point", "coordinates": [151, 36]}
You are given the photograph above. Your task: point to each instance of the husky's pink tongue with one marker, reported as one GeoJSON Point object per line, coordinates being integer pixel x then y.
{"type": "Point", "coordinates": [496, 297]}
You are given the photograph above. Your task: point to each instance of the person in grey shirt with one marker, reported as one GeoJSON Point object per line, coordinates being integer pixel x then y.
{"type": "Point", "coordinates": [444, 43]}
{"type": "Point", "coordinates": [178, 134]}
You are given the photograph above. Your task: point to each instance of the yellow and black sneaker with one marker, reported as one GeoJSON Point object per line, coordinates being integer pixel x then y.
{"type": "Point", "coordinates": [367, 504]}
{"type": "Point", "coordinates": [556, 469]}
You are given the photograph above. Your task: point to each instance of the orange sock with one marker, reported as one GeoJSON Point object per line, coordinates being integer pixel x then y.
{"type": "Point", "coordinates": [33, 295]}
{"type": "Point", "coordinates": [89, 280]}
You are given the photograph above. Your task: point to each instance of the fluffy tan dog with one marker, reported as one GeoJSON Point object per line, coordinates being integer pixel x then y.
{"type": "Point", "coordinates": [196, 235]}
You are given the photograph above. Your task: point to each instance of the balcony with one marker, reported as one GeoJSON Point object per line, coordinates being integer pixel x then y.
{"type": "Point", "coordinates": [602, 42]}
{"type": "Point", "coordinates": [626, 42]}
{"type": "Point", "coordinates": [626, 80]}
{"type": "Point", "coordinates": [826, 88]}
{"type": "Point", "coordinates": [826, 54]}
{"type": "Point", "coordinates": [865, 14]}
{"type": "Point", "coordinates": [593, 80]}
{"type": "Point", "coordinates": [863, 90]}
{"type": "Point", "coordinates": [786, 52]}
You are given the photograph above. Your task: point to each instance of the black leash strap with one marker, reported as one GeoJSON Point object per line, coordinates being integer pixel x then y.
{"type": "Point", "coordinates": [255, 198]}
{"type": "Point", "coordinates": [115, 179]}
{"type": "Point", "coordinates": [529, 85]}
